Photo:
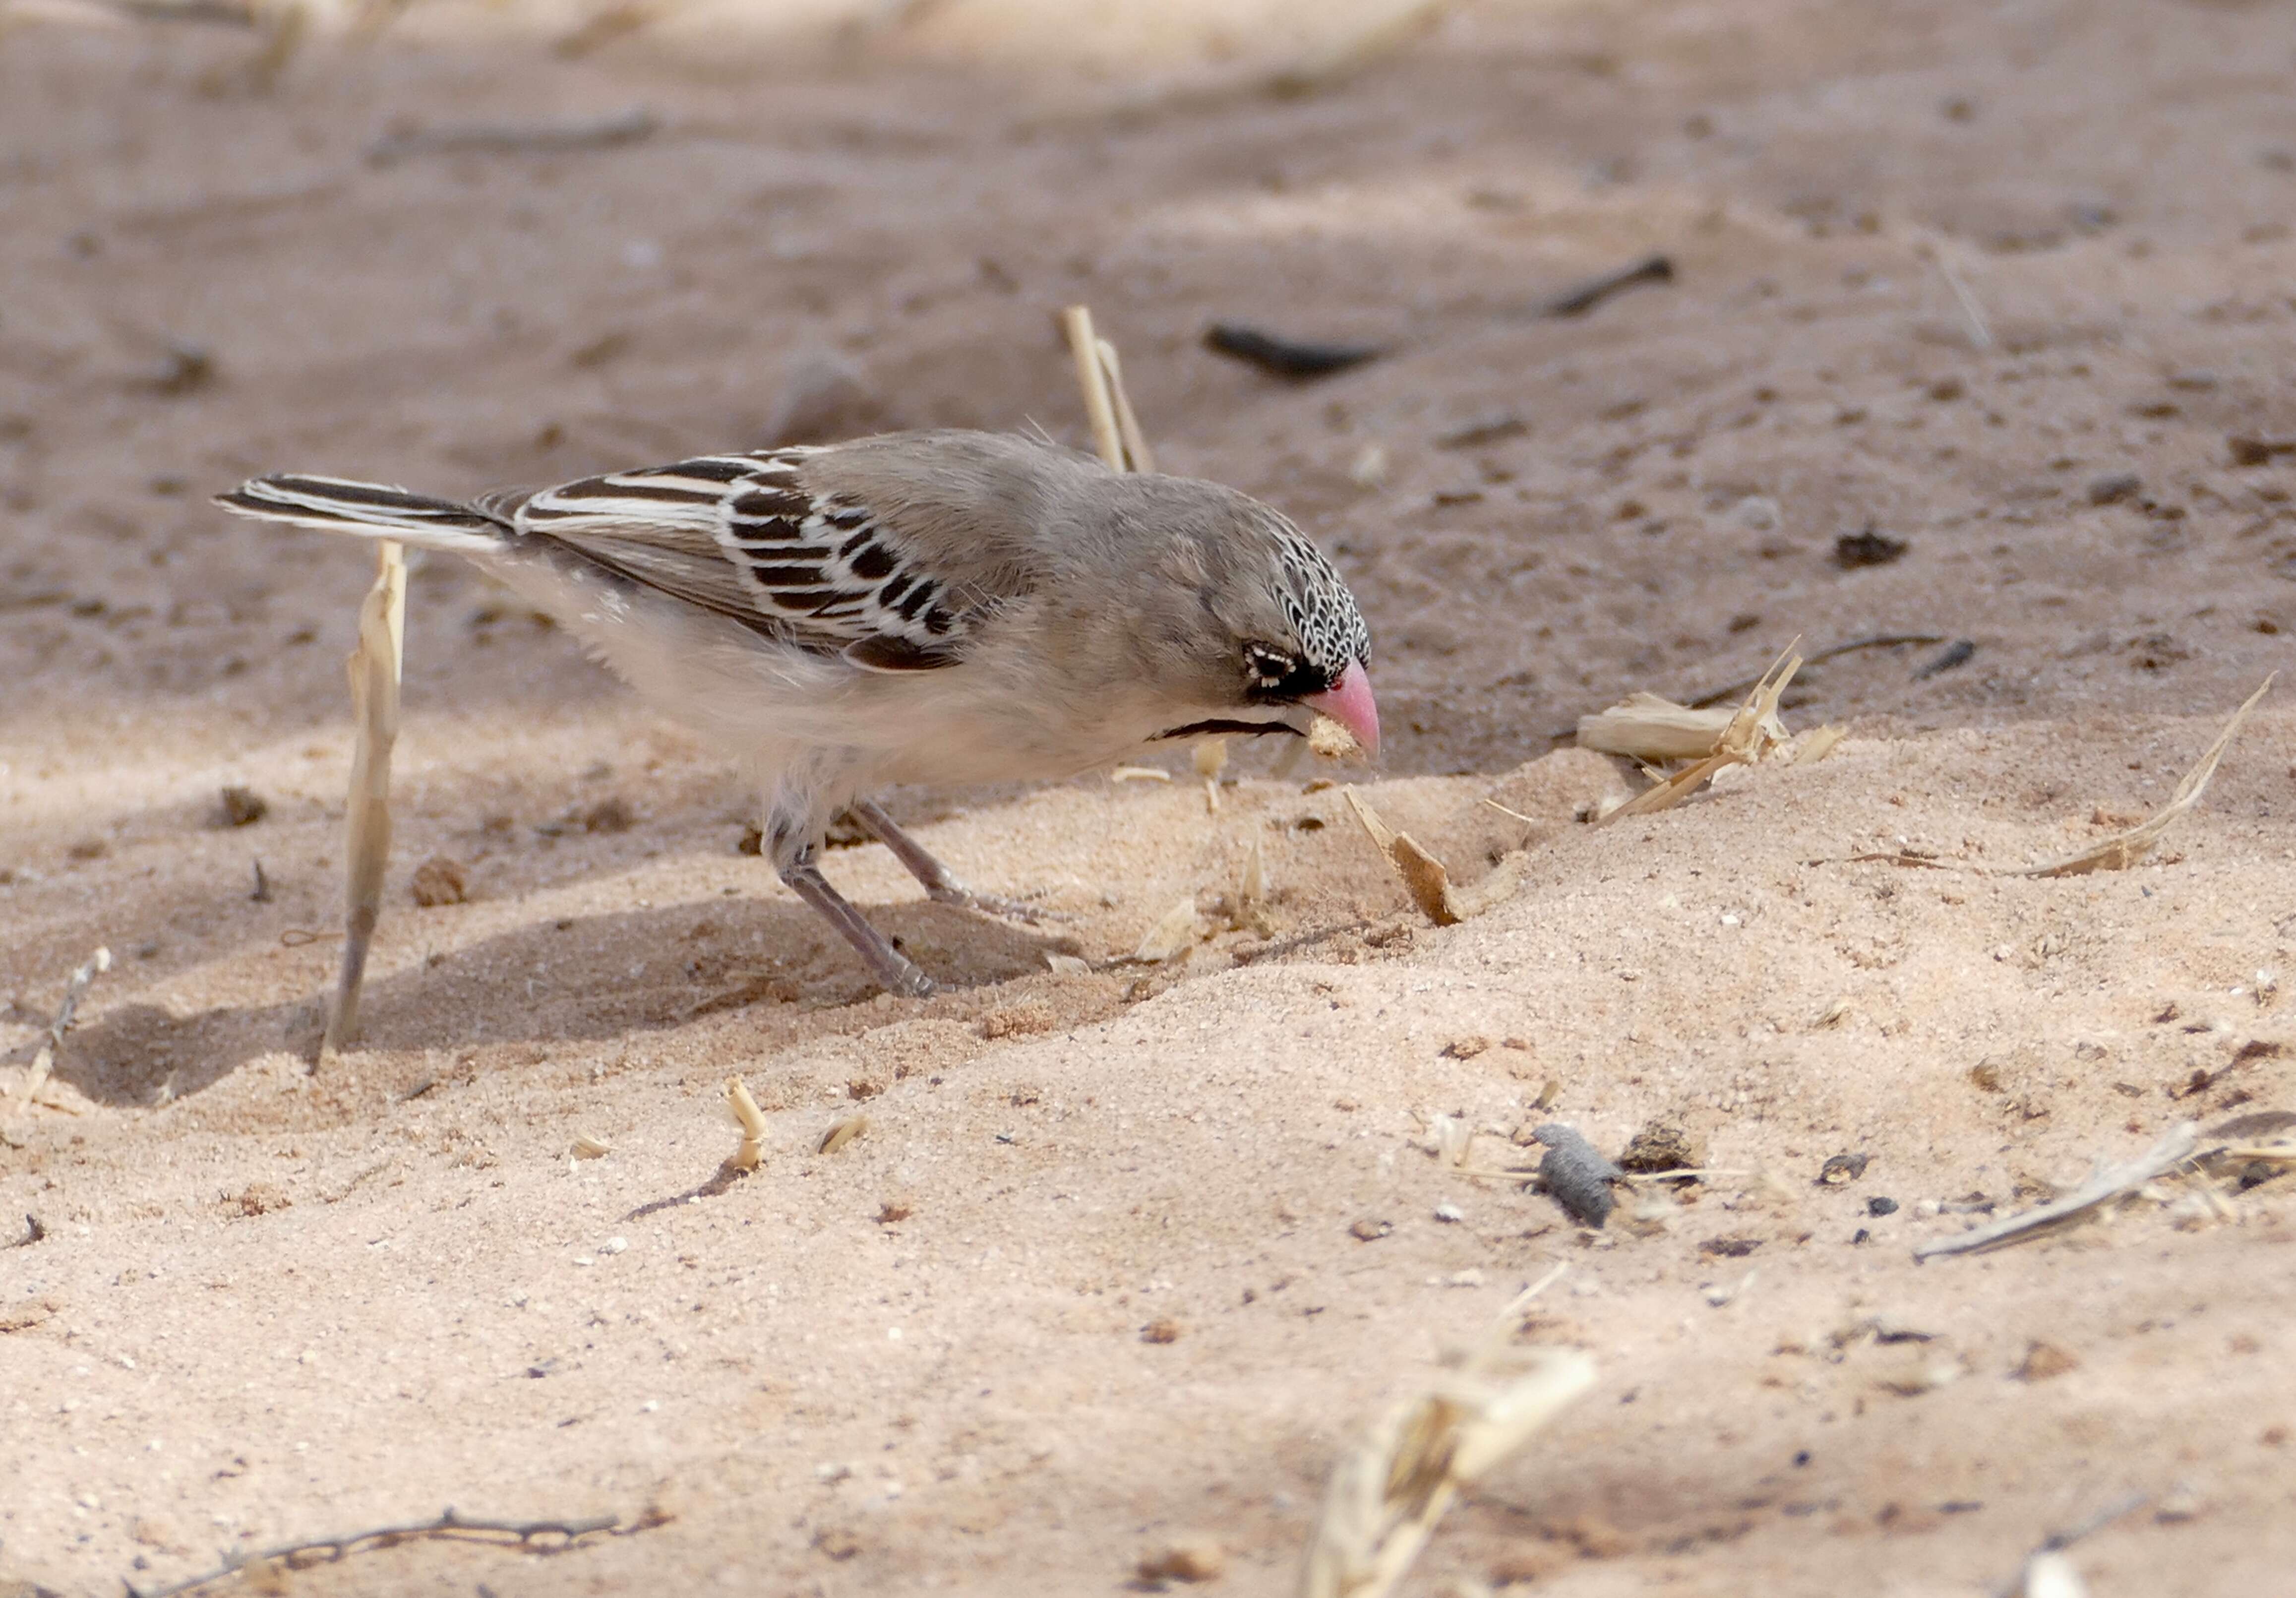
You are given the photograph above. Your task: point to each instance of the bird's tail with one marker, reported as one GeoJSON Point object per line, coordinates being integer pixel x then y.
{"type": "Point", "coordinates": [369, 510]}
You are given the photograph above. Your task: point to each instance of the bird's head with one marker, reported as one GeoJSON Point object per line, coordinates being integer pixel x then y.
{"type": "Point", "coordinates": [1269, 638]}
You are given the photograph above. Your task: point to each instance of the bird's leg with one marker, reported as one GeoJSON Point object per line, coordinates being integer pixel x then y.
{"type": "Point", "coordinates": [895, 971]}
{"type": "Point", "coordinates": [940, 885]}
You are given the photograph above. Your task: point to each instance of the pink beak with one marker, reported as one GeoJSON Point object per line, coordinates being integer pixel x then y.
{"type": "Point", "coordinates": [1349, 703]}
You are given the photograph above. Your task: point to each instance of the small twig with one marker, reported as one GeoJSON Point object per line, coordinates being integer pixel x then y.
{"type": "Point", "coordinates": [36, 1075]}
{"type": "Point", "coordinates": [539, 1537]}
{"type": "Point", "coordinates": [1092, 377]}
{"type": "Point", "coordinates": [1586, 296]}
{"type": "Point", "coordinates": [2122, 850]}
{"type": "Point", "coordinates": [1879, 641]}
{"type": "Point", "coordinates": [1285, 358]}
{"type": "Point", "coordinates": [605, 133]}
{"type": "Point", "coordinates": [375, 670]}
{"type": "Point", "coordinates": [1137, 456]}
{"type": "Point", "coordinates": [1952, 655]}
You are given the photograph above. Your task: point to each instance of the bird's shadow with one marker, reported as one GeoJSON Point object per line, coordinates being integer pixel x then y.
{"type": "Point", "coordinates": [579, 978]}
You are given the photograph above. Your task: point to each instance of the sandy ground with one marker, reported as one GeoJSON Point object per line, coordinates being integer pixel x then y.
{"type": "Point", "coordinates": [269, 1305]}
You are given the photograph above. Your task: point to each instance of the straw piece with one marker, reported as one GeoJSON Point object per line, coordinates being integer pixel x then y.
{"type": "Point", "coordinates": [1387, 1493]}
{"type": "Point", "coordinates": [1743, 740]}
{"type": "Point", "coordinates": [2109, 1182]}
{"type": "Point", "coordinates": [375, 670]}
{"type": "Point", "coordinates": [1092, 377]}
{"type": "Point", "coordinates": [753, 1120]}
{"type": "Point", "coordinates": [1426, 878]}
{"type": "Point", "coordinates": [1648, 727]}
{"type": "Point", "coordinates": [1423, 875]}
{"type": "Point", "coordinates": [1175, 931]}
{"type": "Point", "coordinates": [2122, 850]}
{"type": "Point", "coordinates": [1137, 456]}
{"type": "Point", "coordinates": [2125, 849]}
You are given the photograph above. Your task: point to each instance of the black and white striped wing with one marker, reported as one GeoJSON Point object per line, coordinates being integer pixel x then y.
{"type": "Point", "coordinates": [743, 535]}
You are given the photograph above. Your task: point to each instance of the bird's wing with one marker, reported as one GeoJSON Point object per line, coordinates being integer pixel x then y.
{"type": "Point", "coordinates": [747, 536]}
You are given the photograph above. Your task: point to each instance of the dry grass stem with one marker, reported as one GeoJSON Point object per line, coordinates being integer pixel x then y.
{"type": "Point", "coordinates": [1646, 726]}
{"type": "Point", "coordinates": [2109, 1182]}
{"type": "Point", "coordinates": [1093, 377]}
{"type": "Point", "coordinates": [375, 670]}
{"type": "Point", "coordinates": [1138, 774]}
{"type": "Point", "coordinates": [1387, 1493]}
{"type": "Point", "coordinates": [36, 1075]}
{"type": "Point", "coordinates": [2125, 849]}
{"type": "Point", "coordinates": [752, 1121]}
{"type": "Point", "coordinates": [2122, 850]}
{"type": "Point", "coordinates": [1820, 744]}
{"type": "Point", "coordinates": [1745, 736]}
{"type": "Point", "coordinates": [1174, 931]}
{"type": "Point", "coordinates": [587, 1147]}
{"type": "Point", "coordinates": [1137, 456]}
{"type": "Point", "coordinates": [844, 1132]}
{"type": "Point", "coordinates": [1427, 879]}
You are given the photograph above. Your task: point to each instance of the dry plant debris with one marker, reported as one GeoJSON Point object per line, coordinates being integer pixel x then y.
{"type": "Point", "coordinates": [1648, 727]}
{"type": "Point", "coordinates": [375, 671]}
{"type": "Point", "coordinates": [841, 1133]}
{"type": "Point", "coordinates": [1388, 1492]}
{"type": "Point", "coordinates": [36, 1075]}
{"type": "Point", "coordinates": [1174, 933]}
{"type": "Point", "coordinates": [751, 1120]}
{"type": "Point", "coordinates": [2109, 1182]}
{"type": "Point", "coordinates": [2122, 850]}
{"type": "Point", "coordinates": [1426, 878]}
{"type": "Point", "coordinates": [1747, 733]}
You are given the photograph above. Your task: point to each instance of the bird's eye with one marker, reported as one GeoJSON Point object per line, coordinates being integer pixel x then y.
{"type": "Point", "coordinates": [1266, 665]}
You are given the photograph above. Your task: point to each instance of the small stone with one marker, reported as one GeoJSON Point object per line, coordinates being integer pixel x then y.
{"type": "Point", "coordinates": [1842, 1169]}
{"type": "Point", "coordinates": [612, 813]}
{"type": "Point", "coordinates": [1879, 1205]}
{"type": "Point", "coordinates": [1370, 1231]}
{"type": "Point", "coordinates": [1191, 1559]}
{"type": "Point", "coordinates": [2113, 488]}
{"type": "Point", "coordinates": [1163, 1329]}
{"type": "Point", "coordinates": [1466, 1048]}
{"type": "Point", "coordinates": [243, 806]}
{"type": "Point", "coordinates": [440, 880]}
{"type": "Point", "coordinates": [1869, 547]}
{"type": "Point", "coordinates": [1449, 1212]}
{"type": "Point", "coordinates": [1730, 1247]}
